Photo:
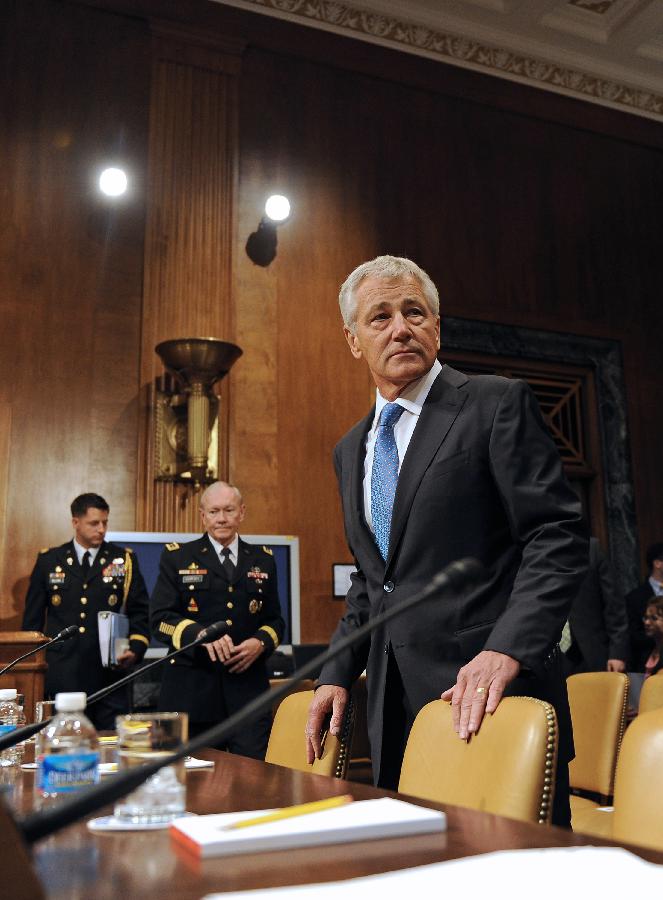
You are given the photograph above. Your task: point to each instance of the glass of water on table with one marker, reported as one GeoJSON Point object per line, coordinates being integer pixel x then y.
{"type": "Point", "coordinates": [144, 738]}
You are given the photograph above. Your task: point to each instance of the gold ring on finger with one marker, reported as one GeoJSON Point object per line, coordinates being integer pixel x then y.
{"type": "Point", "coordinates": [481, 690]}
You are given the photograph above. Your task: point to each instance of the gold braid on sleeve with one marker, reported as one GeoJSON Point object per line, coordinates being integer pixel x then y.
{"type": "Point", "coordinates": [128, 571]}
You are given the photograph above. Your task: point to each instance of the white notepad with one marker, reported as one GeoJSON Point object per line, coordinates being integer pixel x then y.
{"type": "Point", "coordinates": [359, 821]}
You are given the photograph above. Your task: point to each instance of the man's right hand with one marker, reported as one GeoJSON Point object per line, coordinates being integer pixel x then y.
{"type": "Point", "coordinates": [329, 698]}
{"type": "Point", "coordinates": [221, 649]}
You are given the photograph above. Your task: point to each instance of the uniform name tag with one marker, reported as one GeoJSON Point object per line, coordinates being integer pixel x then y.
{"type": "Point", "coordinates": [55, 578]}
{"type": "Point", "coordinates": [192, 579]}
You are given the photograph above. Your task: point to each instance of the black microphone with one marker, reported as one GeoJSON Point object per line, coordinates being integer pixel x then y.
{"type": "Point", "coordinates": [457, 577]}
{"type": "Point", "coordinates": [206, 635]}
{"type": "Point", "coordinates": [64, 635]}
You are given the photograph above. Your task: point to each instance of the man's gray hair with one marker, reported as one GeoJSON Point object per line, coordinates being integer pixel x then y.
{"type": "Point", "coordinates": [383, 267]}
{"type": "Point", "coordinates": [208, 490]}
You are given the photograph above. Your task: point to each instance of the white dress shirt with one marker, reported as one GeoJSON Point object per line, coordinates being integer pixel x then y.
{"type": "Point", "coordinates": [412, 400]}
{"type": "Point", "coordinates": [81, 551]}
{"type": "Point", "coordinates": [233, 546]}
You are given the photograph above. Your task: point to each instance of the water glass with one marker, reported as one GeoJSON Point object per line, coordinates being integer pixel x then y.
{"type": "Point", "coordinates": [44, 709]}
{"type": "Point", "coordinates": [142, 738]}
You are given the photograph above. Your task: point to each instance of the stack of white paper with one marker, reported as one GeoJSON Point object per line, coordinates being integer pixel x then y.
{"type": "Point", "coordinates": [359, 821]}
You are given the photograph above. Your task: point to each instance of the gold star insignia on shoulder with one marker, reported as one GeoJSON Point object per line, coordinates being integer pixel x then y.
{"type": "Point", "coordinates": [173, 546]}
{"type": "Point", "coordinates": [268, 550]}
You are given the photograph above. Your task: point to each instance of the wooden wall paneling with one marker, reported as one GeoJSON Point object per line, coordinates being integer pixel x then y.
{"type": "Point", "coordinates": [188, 244]}
{"type": "Point", "coordinates": [7, 607]}
{"type": "Point", "coordinates": [73, 88]}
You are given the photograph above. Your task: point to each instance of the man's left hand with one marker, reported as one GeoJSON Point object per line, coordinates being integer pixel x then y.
{"type": "Point", "coordinates": [126, 659]}
{"type": "Point", "coordinates": [479, 688]}
{"type": "Point", "coordinates": [244, 655]}
{"type": "Point", "coordinates": [616, 665]}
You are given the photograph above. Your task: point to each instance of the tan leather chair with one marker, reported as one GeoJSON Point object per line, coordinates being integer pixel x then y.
{"type": "Point", "coordinates": [598, 712]}
{"type": "Point", "coordinates": [651, 696]}
{"type": "Point", "coordinates": [287, 745]}
{"type": "Point", "coordinates": [306, 684]}
{"type": "Point", "coordinates": [638, 811]}
{"type": "Point", "coordinates": [508, 767]}
{"type": "Point", "coordinates": [360, 768]}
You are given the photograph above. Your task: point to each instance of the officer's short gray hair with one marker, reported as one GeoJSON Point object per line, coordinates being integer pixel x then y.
{"type": "Point", "coordinates": [211, 487]}
{"type": "Point", "coordinates": [383, 267]}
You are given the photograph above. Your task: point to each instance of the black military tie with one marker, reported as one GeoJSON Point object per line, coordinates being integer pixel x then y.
{"type": "Point", "coordinates": [85, 565]}
{"type": "Point", "coordinates": [227, 563]}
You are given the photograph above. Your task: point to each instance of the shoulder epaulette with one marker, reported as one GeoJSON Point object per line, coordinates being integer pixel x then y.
{"type": "Point", "coordinates": [173, 546]}
{"type": "Point", "coordinates": [267, 550]}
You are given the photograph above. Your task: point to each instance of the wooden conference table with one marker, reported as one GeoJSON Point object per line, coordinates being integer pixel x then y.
{"type": "Point", "coordinates": [124, 866]}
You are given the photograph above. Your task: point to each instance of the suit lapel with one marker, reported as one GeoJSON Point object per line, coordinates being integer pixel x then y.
{"type": "Point", "coordinates": [208, 556]}
{"type": "Point", "coordinates": [445, 400]}
{"type": "Point", "coordinates": [101, 560]}
{"type": "Point", "coordinates": [69, 561]}
{"type": "Point", "coordinates": [243, 560]}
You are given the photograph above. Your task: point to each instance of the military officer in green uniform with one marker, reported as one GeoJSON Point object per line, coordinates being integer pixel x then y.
{"type": "Point", "coordinates": [218, 577]}
{"type": "Point", "coordinates": [69, 585]}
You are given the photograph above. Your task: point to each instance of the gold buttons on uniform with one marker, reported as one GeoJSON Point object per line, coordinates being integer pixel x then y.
{"type": "Point", "coordinates": [83, 600]}
{"type": "Point", "coordinates": [56, 599]}
{"type": "Point", "coordinates": [112, 600]}
{"type": "Point", "coordinates": [82, 615]}
{"type": "Point", "coordinates": [192, 587]}
{"type": "Point", "coordinates": [85, 587]}
{"type": "Point", "coordinates": [229, 621]}
{"type": "Point", "coordinates": [82, 629]}
{"type": "Point", "coordinates": [231, 589]}
{"type": "Point", "coordinates": [229, 605]}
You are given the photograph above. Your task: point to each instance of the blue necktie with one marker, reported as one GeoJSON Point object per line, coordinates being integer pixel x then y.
{"type": "Point", "coordinates": [384, 476]}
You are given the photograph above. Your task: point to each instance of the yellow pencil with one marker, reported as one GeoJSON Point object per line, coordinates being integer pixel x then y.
{"type": "Point", "coordinates": [290, 812]}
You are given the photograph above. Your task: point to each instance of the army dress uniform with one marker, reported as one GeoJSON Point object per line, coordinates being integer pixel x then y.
{"type": "Point", "coordinates": [60, 594]}
{"type": "Point", "coordinates": [193, 590]}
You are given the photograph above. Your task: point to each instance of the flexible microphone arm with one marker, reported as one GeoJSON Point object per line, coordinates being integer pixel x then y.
{"type": "Point", "coordinates": [454, 578]}
{"type": "Point", "coordinates": [207, 635]}
{"type": "Point", "coordinates": [64, 635]}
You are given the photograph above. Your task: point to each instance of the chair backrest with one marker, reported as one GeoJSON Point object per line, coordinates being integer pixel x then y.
{"type": "Point", "coordinates": [287, 746]}
{"type": "Point", "coordinates": [306, 684]}
{"type": "Point", "coordinates": [638, 816]}
{"type": "Point", "coordinates": [651, 696]}
{"type": "Point", "coordinates": [507, 768]}
{"type": "Point", "coordinates": [598, 712]}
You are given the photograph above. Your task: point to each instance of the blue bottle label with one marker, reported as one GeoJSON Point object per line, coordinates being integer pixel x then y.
{"type": "Point", "coordinates": [68, 772]}
{"type": "Point", "coordinates": [5, 729]}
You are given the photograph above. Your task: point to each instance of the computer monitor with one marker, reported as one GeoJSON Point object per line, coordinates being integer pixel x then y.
{"type": "Point", "coordinates": [148, 546]}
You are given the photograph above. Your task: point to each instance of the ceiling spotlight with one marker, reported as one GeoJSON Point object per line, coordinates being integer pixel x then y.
{"type": "Point", "coordinates": [277, 208]}
{"type": "Point", "coordinates": [261, 244]}
{"type": "Point", "coordinates": [113, 182]}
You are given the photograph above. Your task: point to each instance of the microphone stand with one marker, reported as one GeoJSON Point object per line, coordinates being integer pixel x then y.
{"type": "Point", "coordinates": [62, 636]}
{"type": "Point", "coordinates": [26, 731]}
{"type": "Point", "coordinates": [455, 577]}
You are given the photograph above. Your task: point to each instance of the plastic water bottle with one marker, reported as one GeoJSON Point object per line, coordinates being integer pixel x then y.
{"type": "Point", "coordinates": [11, 717]}
{"type": "Point", "coordinates": [69, 750]}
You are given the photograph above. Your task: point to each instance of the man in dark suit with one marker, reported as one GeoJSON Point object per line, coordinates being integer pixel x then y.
{"type": "Point", "coordinates": [217, 577]}
{"type": "Point", "coordinates": [446, 466]}
{"type": "Point", "coordinates": [70, 585]}
{"type": "Point", "coordinates": [636, 604]}
{"type": "Point", "coordinates": [596, 638]}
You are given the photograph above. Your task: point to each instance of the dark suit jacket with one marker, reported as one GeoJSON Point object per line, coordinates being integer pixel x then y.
{"type": "Point", "coordinates": [598, 616]}
{"type": "Point", "coordinates": [482, 478]}
{"type": "Point", "coordinates": [59, 595]}
{"type": "Point", "coordinates": [641, 646]}
{"type": "Point", "coordinates": [192, 591]}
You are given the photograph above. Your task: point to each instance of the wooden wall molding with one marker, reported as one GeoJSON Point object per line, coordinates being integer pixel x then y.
{"type": "Point", "coordinates": [189, 234]}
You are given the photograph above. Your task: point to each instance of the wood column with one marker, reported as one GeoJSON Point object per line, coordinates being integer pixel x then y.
{"type": "Point", "coordinates": [188, 241]}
